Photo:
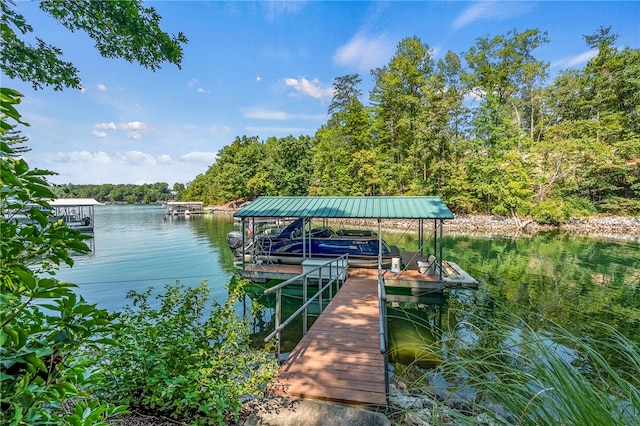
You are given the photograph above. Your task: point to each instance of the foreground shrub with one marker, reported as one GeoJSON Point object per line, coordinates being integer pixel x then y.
{"type": "Point", "coordinates": [44, 324]}
{"type": "Point", "coordinates": [184, 360]}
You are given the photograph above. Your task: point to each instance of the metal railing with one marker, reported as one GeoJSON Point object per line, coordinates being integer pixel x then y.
{"type": "Point", "coordinates": [336, 274]}
{"type": "Point", "coordinates": [382, 305]}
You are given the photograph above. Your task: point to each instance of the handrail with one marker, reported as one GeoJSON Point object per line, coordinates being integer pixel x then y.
{"type": "Point", "coordinates": [382, 303]}
{"type": "Point", "coordinates": [341, 273]}
{"type": "Point", "coordinates": [382, 306]}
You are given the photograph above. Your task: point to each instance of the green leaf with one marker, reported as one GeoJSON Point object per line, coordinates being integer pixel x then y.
{"type": "Point", "coordinates": [27, 278]}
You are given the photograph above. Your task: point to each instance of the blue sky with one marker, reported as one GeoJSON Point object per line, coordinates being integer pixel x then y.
{"type": "Point", "coordinates": [260, 69]}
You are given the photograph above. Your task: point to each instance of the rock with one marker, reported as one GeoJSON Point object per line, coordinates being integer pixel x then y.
{"type": "Point", "coordinates": [285, 411]}
{"type": "Point", "coordinates": [418, 418]}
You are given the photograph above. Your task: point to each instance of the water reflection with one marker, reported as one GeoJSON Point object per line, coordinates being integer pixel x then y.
{"type": "Point", "coordinates": [414, 325]}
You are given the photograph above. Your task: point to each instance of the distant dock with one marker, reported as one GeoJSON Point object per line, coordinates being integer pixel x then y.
{"type": "Point", "coordinates": [184, 208]}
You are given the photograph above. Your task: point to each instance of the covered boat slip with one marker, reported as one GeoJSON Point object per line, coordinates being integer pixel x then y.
{"type": "Point", "coordinates": [77, 213]}
{"type": "Point", "coordinates": [184, 207]}
{"type": "Point", "coordinates": [423, 269]}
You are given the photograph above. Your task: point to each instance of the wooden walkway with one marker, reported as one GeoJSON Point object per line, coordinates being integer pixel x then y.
{"type": "Point", "coordinates": [339, 358]}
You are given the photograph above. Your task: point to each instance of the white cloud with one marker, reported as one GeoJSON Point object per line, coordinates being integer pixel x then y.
{"type": "Point", "coordinates": [572, 61]}
{"type": "Point", "coordinates": [267, 114]}
{"type": "Point", "coordinates": [165, 159]}
{"type": "Point", "coordinates": [258, 78]}
{"type": "Point", "coordinates": [199, 157]}
{"type": "Point", "coordinates": [136, 158]}
{"type": "Point", "coordinates": [105, 126]}
{"type": "Point", "coordinates": [192, 82]}
{"type": "Point", "coordinates": [484, 10]}
{"type": "Point", "coordinates": [311, 88]}
{"type": "Point", "coordinates": [221, 130]}
{"type": "Point", "coordinates": [364, 52]}
{"type": "Point", "coordinates": [275, 9]}
{"type": "Point", "coordinates": [102, 87]}
{"type": "Point", "coordinates": [133, 126]}
{"type": "Point", "coordinates": [133, 129]}
{"type": "Point", "coordinates": [80, 157]}
{"type": "Point", "coordinates": [201, 90]}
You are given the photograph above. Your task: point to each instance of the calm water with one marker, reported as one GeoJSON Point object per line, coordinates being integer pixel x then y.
{"type": "Point", "coordinates": [574, 281]}
{"type": "Point", "coordinates": [137, 247]}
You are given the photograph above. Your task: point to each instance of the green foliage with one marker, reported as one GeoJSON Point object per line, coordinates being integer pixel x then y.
{"type": "Point", "coordinates": [550, 212]}
{"type": "Point", "coordinates": [120, 29]}
{"type": "Point", "coordinates": [249, 167]}
{"type": "Point", "coordinates": [44, 324]}
{"type": "Point", "coordinates": [119, 193]}
{"type": "Point", "coordinates": [184, 359]}
{"type": "Point", "coordinates": [579, 206]}
{"type": "Point", "coordinates": [619, 206]}
{"type": "Point", "coordinates": [521, 376]}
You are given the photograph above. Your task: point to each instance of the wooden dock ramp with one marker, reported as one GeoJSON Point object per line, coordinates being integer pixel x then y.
{"type": "Point", "coordinates": [339, 358]}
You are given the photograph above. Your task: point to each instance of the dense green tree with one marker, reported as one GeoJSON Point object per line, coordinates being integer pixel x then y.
{"type": "Point", "coordinates": [123, 29]}
{"type": "Point", "coordinates": [287, 165]}
{"type": "Point", "coordinates": [336, 143]}
{"type": "Point", "coordinates": [504, 75]}
{"type": "Point", "coordinates": [331, 158]}
{"type": "Point", "coordinates": [44, 325]}
{"type": "Point", "coordinates": [397, 101]}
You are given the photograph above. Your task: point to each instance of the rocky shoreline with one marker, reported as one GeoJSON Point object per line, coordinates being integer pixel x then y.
{"type": "Point", "coordinates": [596, 226]}
{"type": "Point", "coordinates": [606, 227]}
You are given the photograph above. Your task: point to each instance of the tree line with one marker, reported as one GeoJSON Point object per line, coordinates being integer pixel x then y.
{"type": "Point", "coordinates": [485, 130]}
{"type": "Point", "coordinates": [121, 193]}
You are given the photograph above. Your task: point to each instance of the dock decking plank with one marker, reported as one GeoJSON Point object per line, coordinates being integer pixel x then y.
{"type": "Point", "coordinates": [339, 358]}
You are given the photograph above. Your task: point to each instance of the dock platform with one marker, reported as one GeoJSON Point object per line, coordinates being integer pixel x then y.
{"type": "Point", "coordinates": [409, 278]}
{"type": "Point", "coordinates": [339, 358]}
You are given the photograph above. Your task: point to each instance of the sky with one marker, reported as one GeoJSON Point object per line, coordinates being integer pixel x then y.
{"type": "Point", "coordinates": [260, 68]}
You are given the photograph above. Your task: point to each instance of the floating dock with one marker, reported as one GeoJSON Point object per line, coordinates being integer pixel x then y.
{"type": "Point", "coordinates": [339, 358]}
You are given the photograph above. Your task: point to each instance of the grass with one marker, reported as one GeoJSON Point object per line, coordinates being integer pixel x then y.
{"type": "Point", "coordinates": [510, 373]}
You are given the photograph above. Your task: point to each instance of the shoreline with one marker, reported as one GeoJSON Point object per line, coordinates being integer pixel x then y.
{"type": "Point", "coordinates": [607, 227]}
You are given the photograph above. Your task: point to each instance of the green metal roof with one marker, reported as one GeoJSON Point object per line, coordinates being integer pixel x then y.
{"type": "Point", "coordinates": [348, 207]}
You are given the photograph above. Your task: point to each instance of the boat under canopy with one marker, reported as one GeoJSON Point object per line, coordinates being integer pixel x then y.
{"type": "Point", "coordinates": [296, 243]}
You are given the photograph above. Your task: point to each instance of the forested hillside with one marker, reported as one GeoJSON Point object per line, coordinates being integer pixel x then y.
{"type": "Point", "coordinates": [485, 130]}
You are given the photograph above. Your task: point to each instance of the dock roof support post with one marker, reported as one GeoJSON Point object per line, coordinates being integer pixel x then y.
{"type": "Point", "coordinates": [304, 238]}
{"type": "Point", "coordinates": [441, 226]}
{"type": "Point", "coordinates": [421, 236]}
{"type": "Point", "coordinates": [435, 238]}
{"type": "Point", "coordinates": [379, 244]}
{"type": "Point", "coordinates": [243, 244]}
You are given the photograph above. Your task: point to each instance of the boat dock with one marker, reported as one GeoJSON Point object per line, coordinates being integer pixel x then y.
{"type": "Point", "coordinates": [77, 213]}
{"type": "Point", "coordinates": [185, 208]}
{"type": "Point", "coordinates": [339, 358]}
{"type": "Point", "coordinates": [408, 278]}
{"type": "Point", "coordinates": [343, 356]}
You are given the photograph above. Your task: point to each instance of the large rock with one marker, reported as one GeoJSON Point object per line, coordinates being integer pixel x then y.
{"type": "Point", "coordinates": [284, 411]}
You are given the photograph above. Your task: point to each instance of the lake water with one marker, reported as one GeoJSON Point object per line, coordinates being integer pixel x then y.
{"type": "Point", "coordinates": [575, 281]}
{"type": "Point", "coordinates": [137, 247]}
